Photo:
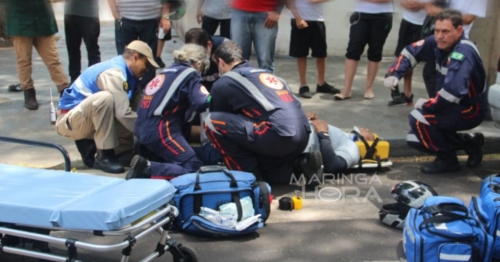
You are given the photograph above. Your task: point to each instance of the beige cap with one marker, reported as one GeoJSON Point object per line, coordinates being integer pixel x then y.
{"type": "Point", "coordinates": [144, 50]}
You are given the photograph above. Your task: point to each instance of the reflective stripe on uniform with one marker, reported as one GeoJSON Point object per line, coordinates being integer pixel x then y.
{"type": "Point", "coordinates": [256, 93]}
{"type": "Point", "coordinates": [408, 55]}
{"type": "Point", "coordinates": [442, 70]}
{"type": "Point", "coordinates": [417, 115]}
{"type": "Point", "coordinates": [175, 85]}
{"type": "Point", "coordinates": [448, 96]}
{"type": "Point", "coordinates": [470, 43]}
{"type": "Point", "coordinates": [208, 122]}
{"type": "Point", "coordinates": [83, 89]}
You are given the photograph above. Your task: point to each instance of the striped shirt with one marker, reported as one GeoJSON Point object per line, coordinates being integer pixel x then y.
{"type": "Point", "coordinates": [139, 9]}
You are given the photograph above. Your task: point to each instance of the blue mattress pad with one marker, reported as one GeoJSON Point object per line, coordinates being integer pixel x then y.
{"type": "Point", "coordinates": [75, 201]}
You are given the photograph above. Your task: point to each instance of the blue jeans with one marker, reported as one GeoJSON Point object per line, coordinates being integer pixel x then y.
{"type": "Point", "coordinates": [248, 27]}
{"type": "Point", "coordinates": [127, 30]}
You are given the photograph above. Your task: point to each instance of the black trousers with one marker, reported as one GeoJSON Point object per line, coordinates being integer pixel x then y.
{"type": "Point", "coordinates": [210, 25]}
{"type": "Point", "coordinates": [76, 29]}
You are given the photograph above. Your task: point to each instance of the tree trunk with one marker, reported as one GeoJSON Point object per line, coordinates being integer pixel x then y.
{"type": "Point", "coordinates": [4, 40]}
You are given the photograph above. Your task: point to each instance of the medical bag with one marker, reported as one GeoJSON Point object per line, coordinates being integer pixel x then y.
{"type": "Point", "coordinates": [212, 187]}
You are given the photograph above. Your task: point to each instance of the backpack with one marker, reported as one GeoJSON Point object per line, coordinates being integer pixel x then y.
{"type": "Point", "coordinates": [212, 187]}
{"type": "Point", "coordinates": [486, 209]}
{"type": "Point", "coordinates": [444, 230]}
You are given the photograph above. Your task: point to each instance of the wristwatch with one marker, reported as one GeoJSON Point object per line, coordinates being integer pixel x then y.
{"type": "Point", "coordinates": [166, 16]}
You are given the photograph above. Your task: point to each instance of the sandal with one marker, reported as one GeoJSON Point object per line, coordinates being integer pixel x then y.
{"type": "Point", "coordinates": [340, 96]}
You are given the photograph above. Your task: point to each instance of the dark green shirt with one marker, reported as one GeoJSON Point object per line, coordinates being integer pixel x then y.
{"type": "Point", "coordinates": [30, 18]}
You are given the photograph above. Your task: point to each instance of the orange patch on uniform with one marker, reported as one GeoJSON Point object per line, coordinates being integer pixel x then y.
{"type": "Point", "coordinates": [154, 85]}
{"type": "Point", "coordinates": [270, 81]}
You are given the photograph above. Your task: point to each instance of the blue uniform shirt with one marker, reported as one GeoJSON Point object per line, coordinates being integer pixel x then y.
{"type": "Point", "coordinates": [159, 112]}
{"type": "Point", "coordinates": [461, 78]}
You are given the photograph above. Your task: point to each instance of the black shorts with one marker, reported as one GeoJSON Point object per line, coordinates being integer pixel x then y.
{"type": "Point", "coordinates": [312, 37]}
{"type": "Point", "coordinates": [371, 29]}
{"type": "Point", "coordinates": [408, 33]}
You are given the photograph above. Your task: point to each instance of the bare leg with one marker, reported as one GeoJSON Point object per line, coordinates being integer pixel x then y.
{"type": "Point", "coordinates": [159, 49]}
{"type": "Point", "coordinates": [350, 70]}
{"type": "Point", "coordinates": [321, 67]}
{"type": "Point", "coordinates": [407, 85]}
{"type": "Point", "coordinates": [370, 78]}
{"type": "Point", "coordinates": [302, 66]}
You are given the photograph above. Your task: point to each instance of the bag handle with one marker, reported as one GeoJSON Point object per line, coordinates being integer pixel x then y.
{"type": "Point", "coordinates": [198, 198]}
{"type": "Point", "coordinates": [446, 211]}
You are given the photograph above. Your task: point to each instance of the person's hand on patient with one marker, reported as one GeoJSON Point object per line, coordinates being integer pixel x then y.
{"type": "Point", "coordinates": [311, 116]}
{"type": "Point", "coordinates": [320, 126]}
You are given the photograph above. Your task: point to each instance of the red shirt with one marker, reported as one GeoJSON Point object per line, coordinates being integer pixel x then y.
{"type": "Point", "coordinates": [255, 5]}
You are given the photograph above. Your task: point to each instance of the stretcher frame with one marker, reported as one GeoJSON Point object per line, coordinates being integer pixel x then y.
{"type": "Point", "coordinates": [160, 221]}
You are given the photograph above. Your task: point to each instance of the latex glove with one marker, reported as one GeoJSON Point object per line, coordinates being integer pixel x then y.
{"type": "Point", "coordinates": [420, 102]}
{"type": "Point", "coordinates": [391, 82]}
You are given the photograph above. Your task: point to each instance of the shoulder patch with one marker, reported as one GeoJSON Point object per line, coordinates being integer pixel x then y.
{"type": "Point", "coordinates": [204, 90]}
{"type": "Point", "coordinates": [154, 85]}
{"type": "Point", "coordinates": [125, 86]}
{"type": "Point", "coordinates": [457, 56]}
{"type": "Point", "coordinates": [270, 81]}
{"type": "Point", "coordinates": [419, 43]}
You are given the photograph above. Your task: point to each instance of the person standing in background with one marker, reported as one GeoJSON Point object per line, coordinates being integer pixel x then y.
{"type": "Point", "coordinates": [214, 13]}
{"type": "Point", "coordinates": [409, 32]}
{"type": "Point", "coordinates": [32, 24]}
{"type": "Point", "coordinates": [81, 21]}
{"type": "Point", "coordinates": [309, 32]}
{"type": "Point", "coordinates": [370, 24]}
{"type": "Point", "coordinates": [257, 22]}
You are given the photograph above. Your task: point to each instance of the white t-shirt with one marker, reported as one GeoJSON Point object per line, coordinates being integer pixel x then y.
{"type": "Point", "coordinates": [309, 11]}
{"type": "Point", "coordinates": [473, 7]}
{"type": "Point", "coordinates": [364, 6]}
{"type": "Point", "coordinates": [218, 9]}
{"type": "Point", "coordinates": [416, 18]}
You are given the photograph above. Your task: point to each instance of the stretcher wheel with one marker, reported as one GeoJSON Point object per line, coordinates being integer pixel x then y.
{"type": "Point", "coordinates": [188, 253]}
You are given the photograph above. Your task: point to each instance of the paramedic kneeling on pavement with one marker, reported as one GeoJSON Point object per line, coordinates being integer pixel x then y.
{"type": "Point", "coordinates": [169, 101]}
{"type": "Point", "coordinates": [255, 122]}
{"type": "Point", "coordinates": [460, 103]}
{"type": "Point", "coordinates": [97, 107]}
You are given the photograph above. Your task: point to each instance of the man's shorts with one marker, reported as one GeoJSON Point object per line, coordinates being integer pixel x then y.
{"type": "Point", "coordinates": [408, 33]}
{"type": "Point", "coordinates": [312, 37]}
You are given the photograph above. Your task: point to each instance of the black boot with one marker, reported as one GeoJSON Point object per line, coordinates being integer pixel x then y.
{"type": "Point", "coordinates": [139, 168]}
{"type": "Point", "coordinates": [107, 162]}
{"type": "Point", "coordinates": [30, 99]}
{"type": "Point", "coordinates": [311, 165]}
{"type": "Point", "coordinates": [87, 149]}
{"type": "Point", "coordinates": [444, 162]}
{"type": "Point", "coordinates": [473, 146]}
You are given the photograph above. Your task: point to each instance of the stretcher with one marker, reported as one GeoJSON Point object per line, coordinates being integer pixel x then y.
{"type": "Point", "coordinates": [72, 202]}
{"type": "Point", "coordinates": [38, 200]}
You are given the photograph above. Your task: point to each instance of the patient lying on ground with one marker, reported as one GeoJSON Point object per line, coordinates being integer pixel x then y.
{"type": "Point", "coordinates": [338, 148]}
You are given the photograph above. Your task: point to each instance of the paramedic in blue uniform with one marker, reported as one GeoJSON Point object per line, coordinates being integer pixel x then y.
{"type": "Point", "coordinates": [255, 122]}
{"type": "Point", "coordinates": [460, 103]}
{"type": "Point", "coordinates": [169, 101]}
{"type": "Point", "coordinates": [97, 111]}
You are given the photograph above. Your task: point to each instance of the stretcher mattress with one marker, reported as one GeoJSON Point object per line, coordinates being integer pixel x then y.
{"type": "Point", "coordinates": [73, 201]}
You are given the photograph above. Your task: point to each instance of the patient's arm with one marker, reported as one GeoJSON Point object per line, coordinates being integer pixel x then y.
{"type": "Point", "coordinates": [331, 162]}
